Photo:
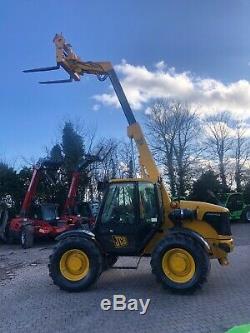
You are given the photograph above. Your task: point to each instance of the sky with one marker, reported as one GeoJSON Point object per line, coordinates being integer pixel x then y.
{"type": "Point", "coordinates": [198, 51]}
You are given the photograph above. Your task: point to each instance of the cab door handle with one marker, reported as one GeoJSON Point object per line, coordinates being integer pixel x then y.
{"type": "Point", "coordinates": [111, 230]}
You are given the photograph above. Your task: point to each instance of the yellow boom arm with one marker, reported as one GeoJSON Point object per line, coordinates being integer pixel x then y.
{"type": "Point", "coordinates": [76, 68]}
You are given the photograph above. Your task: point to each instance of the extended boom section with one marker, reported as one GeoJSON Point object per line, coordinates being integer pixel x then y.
{"type": "Point", "coordinates": [76, 68]}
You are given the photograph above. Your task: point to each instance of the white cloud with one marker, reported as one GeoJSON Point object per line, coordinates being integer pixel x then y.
{"type": "Point", "coordinates": [247, 132]}
{"type": "Point", "coordinates": [142, 86]}
{"type": "Point", "coordinates": [96, 107]}
{"type": "Point", "coordinates": [160, 65]}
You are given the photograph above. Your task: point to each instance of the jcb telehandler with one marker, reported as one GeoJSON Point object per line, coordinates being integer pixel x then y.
{"type": "Point", "coordinates": [137, 217]}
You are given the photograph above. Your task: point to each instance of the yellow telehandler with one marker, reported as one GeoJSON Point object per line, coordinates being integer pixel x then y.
{"type": "Point", "coordinates": [137, 217]}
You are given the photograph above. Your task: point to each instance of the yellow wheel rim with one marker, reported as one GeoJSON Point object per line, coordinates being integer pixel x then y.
{"type": "Point", "coordinates": [74, 265]}
{"type": "Point", "coordinates": [178, 265]}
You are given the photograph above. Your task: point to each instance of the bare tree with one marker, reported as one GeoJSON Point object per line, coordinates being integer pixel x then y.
{"type": "Point", "coordinates": [102, 171]}
{"type": "Point", "coordinates": [162, 128]}
{"type": "Point", "coordinates": [109, 166]}
{"type": "Point", "coordinates": [219, 142]}
{"type": "Point", "coordinates": [241, 154]}
{"type": "Point", "coordinates": [186, 147]}
{"type": "Point", "coordinates": [173, 128]}
{"type": "Point", "coordinates": [118, 163]}
{"type": "Point", "coordinates": [128, 163]}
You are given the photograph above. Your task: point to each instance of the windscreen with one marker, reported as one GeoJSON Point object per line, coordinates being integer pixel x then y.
{"type": "Point", "coordinates": [49, 213]}
{"type": "Point", "coordinates": [119, 205]}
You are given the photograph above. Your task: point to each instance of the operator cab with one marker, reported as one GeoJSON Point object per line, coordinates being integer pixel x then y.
{"type": "Point", "coordinates": [235, 202]}
{"type": "Point", "coordinates": [48, 212]}
{"type": "Point", "coordinates": [130, 214]}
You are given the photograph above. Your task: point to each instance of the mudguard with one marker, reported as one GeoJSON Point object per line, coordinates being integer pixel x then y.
{"type": "Point", "coordinates": [76, 233]}
{"type": "Point", "coordinates": [192, 234]}
{"type": "Point", "coordinates": [84, 234]}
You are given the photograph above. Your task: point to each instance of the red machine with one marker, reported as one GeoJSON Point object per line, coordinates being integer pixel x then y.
{"type": "Point", "coordinates": [44, 220]}
{"type": "Point", "coordinates": [79, 213]}
{"type": "Point", "coordinates": [40, 220]}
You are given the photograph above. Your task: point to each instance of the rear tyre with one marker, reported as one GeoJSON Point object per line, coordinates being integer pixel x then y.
{"type": "Point", "coordinates": [4, 215]}
{"type": "Point", "coordinates": [75, 264]}
{"type": "Point", "coordinates": [180, 263]}
{"type": "Point", "coordinates": [9, 236]}
{"type": "Point", "coordinates": [27, 236]}
{"type": "Point", "coordinates": [245, 216]}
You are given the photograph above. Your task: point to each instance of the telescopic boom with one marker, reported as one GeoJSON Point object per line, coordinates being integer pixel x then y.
{"type": "Point", "coordinates": [76, 68]}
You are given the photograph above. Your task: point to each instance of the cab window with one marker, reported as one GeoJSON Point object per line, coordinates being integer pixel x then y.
{"type": "Point", "coordinates": [148, 203]}
{"type": "Point", "coordinates": [119, 206]}
{"type": "Point", "coordinates": [235, 202]}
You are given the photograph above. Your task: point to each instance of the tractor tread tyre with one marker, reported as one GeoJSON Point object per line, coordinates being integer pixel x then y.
{"type": "Point", "coordinates": [27, 236]}
{"type": "Point", "coordinates": [244, 217]}
{"type": "Point", "coordinates": [9, 236]}
{"type": "Point", "coordinates": [95, 262]}
{"type": "Point", "coordinates": [199, 255]}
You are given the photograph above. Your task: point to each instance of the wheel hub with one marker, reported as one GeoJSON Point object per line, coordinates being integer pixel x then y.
{"type": "Point", "coordinates": [74, 265]}
{"type": "Point", "coordinates": [178, 265]}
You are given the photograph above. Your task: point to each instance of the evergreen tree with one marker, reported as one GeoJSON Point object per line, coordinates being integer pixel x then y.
{"type": "Point", "coordinates": [246, 193]}
{"type": "Point", "coordinates": [9, 182]}
{"type": "Point", "coordinates": [72, 147]}
{"type": "Point", "coordinates": [206, 187]}
{"type": "Point", "coordinates": [56, 153]}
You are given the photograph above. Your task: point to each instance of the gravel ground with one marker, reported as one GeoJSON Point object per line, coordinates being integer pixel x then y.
{"type": "Point", "coordinates": [30, 302]}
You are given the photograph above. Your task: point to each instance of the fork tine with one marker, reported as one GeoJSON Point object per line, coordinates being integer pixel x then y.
{"type": "Point", "coordinates": [56, 81]}
{"type": "Point", "coordinates": [42, 69]}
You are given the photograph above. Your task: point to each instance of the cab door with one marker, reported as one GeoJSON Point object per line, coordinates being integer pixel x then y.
{"type": "Point", "coordinates": [118, 219]}
{"type": "Point", "coordinates": [128, 218]}
{"type": "Point", "coordinates": [150, 212]}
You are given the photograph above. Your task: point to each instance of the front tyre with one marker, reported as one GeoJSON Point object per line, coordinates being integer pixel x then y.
{"type": "Point", "coordinates": [75, 264]}
{"type": "Point", "coordinates": [27, 236]}
{"type": "Point", "coordinates": [180, 263]}
{"type": "Point", "coordinates": [245, 216]}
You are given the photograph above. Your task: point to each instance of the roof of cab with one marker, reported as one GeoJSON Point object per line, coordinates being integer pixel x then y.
{"type": "Point", "coordinates": [130, 180]}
